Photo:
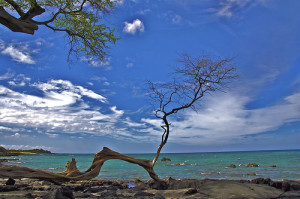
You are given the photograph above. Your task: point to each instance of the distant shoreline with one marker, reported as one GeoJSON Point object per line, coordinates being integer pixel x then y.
{"type": "Point", "coordinates": [13, 152]}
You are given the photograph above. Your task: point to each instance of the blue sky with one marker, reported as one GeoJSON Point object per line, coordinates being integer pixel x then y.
{"type": "Point", "coordinates": [81, 107]}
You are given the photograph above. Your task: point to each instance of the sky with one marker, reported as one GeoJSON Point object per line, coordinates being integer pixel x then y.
{"type": "Point", "coordinates": [80, 107]}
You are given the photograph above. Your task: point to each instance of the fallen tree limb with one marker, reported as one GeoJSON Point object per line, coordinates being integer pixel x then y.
{"type": "Point", "coordinates": [72, 173]}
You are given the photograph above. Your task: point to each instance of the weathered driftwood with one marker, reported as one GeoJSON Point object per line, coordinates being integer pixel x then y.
{"type": "Point", "coordinates": [72, 173]}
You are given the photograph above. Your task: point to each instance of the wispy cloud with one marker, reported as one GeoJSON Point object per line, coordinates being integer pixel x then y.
{"type": "Point", "coordinates": [19, 80]}
{"type": "Point", "coordinates": [228, 8]}
{"type": "Point", "coordinates": [229, 120]}
{"type": "Point", "coordinates": [97, 63]}
{"type": "Point", "coordinates": [18, 54]}
{"type": "Point", "coordinates": [59, 107]}
{"type": "Point", "coordinates": [132, 28]}
{"type": "Point", "coordinates": [7, 75]}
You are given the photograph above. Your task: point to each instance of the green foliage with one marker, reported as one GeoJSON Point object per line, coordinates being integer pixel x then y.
{"type": "Point", "coordinates": [81, 20]}
{"type": "Point", "coordinates": [28, 151]}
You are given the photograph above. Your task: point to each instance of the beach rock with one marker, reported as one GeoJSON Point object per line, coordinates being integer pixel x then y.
{"type": "Point", "coordinates": [185, 183]}
{"type": "Point", "coordinates": [144, 194]}
{"type": "Point", "coordinates": [8, 188]}
{"type": "Point", "coordinates": [159, 185]}
{"type": "Point", "coordinates": [267, 181]}
{"type": "Point", "coordinates": [251, 174]}
{"type": "Point", "coordinates": [277, 185]}
{"type": "Point", "coordinates": [10, 181]}
{"type": "Point", "coordinates": [28, 195]}
{"type": "Point", "coordinates": [285, 186]}
{"type": "Point", "coordinates": [109, 194]}
{"type": "Point", "coordinates": [60, 193]}
{"type": "Point", "coordinates": [190, 191]}
{"type": "Point", "coordinates": [170, 180]}
{"type": "Point", "coordinates": [166, 159]}
{"type": "Point", "coordinates": [231, 166]}
{"type": "Point", "coordinates": [252, 165]}
{"type": "Point", "coordinates": [294, 186]}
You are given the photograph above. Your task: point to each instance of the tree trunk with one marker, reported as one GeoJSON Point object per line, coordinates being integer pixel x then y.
{"type": "Point", "coordinates": [72, 173]}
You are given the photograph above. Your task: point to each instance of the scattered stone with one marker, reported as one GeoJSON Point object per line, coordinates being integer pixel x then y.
{"type": "Point", "coordinates": [185, 183]}
{"type": "Point", "coordinates": [191, 191]}
{"type": "Point", "coordinates": [10, 181]}
{"type": "Point", "coordinates": [251, 174]}
{"type": "Point", "coordinates": [267, 181]}
{"type": "Point", "coordinates": [294, 186]}
{"type": "Point", "coordinates": [28, 195]}
{"type": "Point", "coordinates": [144, 194]}
{"type": "Point", "coordinates": [170, 180]}
{"type": "Point", "coordinates": [166, 159]}
{"type": "Point", "coordinates": [285, 186]}
{"type": "Point", "coordinates": [159, 185]}
{"type": "Point", "coordinates": [231, 166]}
{"type": "Point", "coordinates": [252, 165]}
{"type": "Point", "coordinates": [60, 193]}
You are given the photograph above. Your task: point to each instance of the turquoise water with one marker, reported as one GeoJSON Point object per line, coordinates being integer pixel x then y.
{"type": "Point", "coordinates": [191, 165]}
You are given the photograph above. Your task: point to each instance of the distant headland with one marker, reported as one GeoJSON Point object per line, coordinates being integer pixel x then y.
{"type": "Point", "coordinates": [14, 152]}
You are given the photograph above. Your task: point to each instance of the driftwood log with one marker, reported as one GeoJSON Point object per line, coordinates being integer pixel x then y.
{"type": "Point", "coordinates": [72, 173]}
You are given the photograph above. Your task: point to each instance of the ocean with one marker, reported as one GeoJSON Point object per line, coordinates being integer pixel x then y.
{"type": "Point", "coordinates": [183, 165]}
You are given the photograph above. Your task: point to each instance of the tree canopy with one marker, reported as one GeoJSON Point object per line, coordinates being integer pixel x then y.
{"type": "Point", "coordinates": [79, 19]}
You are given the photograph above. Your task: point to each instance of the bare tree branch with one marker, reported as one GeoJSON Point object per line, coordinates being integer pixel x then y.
{"type": "Point", "coordinates": [196, 77]}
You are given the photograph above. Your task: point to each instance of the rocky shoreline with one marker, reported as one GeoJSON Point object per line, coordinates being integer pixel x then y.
{"type": "Point", "coordinates": [171, 188]}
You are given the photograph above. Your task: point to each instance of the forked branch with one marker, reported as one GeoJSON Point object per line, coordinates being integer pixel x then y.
{"type": "Point", "coordinates": [72, 173]}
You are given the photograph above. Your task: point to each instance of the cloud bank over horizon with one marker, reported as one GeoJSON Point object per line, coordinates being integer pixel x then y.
{"type": "Point", "coordinates": [64, 108]}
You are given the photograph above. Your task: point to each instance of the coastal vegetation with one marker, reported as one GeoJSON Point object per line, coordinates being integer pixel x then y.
{"type": "Point", "coordinates": [16, 152]}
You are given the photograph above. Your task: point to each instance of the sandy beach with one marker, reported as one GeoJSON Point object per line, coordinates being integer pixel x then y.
{"type": "Point", "coordinates": [186, 188]}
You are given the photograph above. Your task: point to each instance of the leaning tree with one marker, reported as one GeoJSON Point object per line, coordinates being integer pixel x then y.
{"type": "Point", "coordinates": [191, 82]}
{"type": "Point", "coordinates": [81, 20]}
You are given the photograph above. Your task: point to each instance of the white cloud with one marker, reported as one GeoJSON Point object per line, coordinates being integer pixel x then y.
{"type": "Point", "coordinates": [16, 135]}
{"type": "Point", "coordinates": [53, 89]}
{"type": "Point", "coordinates": [176, 19]}
{"type": "Point", "coordinates": [59, 107]}
{"type": "Point", "coordinates": [130, 62]}
{"type": "Point", "coordinates": [7, 75]}
{"type": "Point", "coordinates": [225, 118]}
{"type": "Point", "coordinates": [132, 28]}
{"type": "Point", "coordinates": [21, 55]}
{"type": "Point", "coordinates": [97, 63]}
{"type": "Point", "coordinates": [19, 80]}
{"type": "Point", "coordinates": [51, 135]}
{"type": "Point", "coordinates": [119, 2]}
{"type": "Point", "coordinates": [228, 8]}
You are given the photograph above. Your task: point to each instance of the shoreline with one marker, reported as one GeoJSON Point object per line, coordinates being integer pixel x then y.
{"type": "Point", "coordinates": [171, 188]}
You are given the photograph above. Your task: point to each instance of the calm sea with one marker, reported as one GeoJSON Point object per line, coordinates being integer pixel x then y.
{"type": "Point", "coordinates": [188, 165]}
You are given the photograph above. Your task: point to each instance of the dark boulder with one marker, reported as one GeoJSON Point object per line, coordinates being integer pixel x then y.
{"type": "Point", "coordinates": [10, 181]}
{"type": "Point", "coordinates": [166, 159]}
{"type": "Point", "coordinates": [185, 183]}
{"type": "Point", "coordinates": [252, 165]}
{"type": "Point", "coordinates": [143, 194]}
{"type": "Point", "coordinates": [231, 166]}
{"type": "Point", "coordinates": [159, 185]}
{"type": "Point", "coordinates": [60, 193]}
{"type": "Point", "coordinates": [191, 191]}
